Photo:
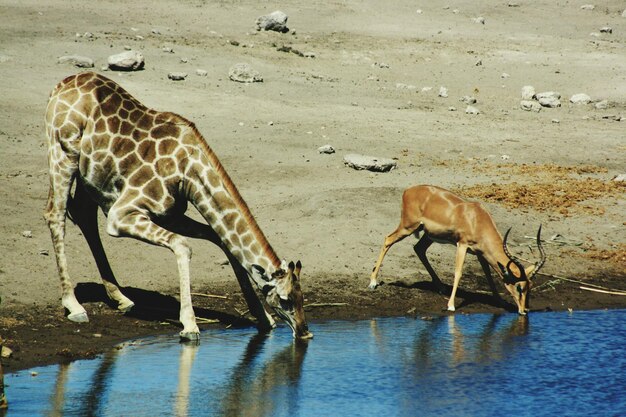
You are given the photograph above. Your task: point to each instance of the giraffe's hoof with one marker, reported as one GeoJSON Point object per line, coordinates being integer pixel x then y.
{"type": "Point", "coordinates": [189, 336]}
{"type": "Point", "coordinates": [125, 308]}
{"type": "Point", "coordinates": [373, 285]}
{"type": "Point", "coordinates": [79, 317]}
{"type": "Point", "coordinates": [451, 308]}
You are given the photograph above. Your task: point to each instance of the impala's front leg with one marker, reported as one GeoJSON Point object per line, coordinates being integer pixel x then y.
{"type": "Point", "coordinates": [397, 235]}
{"type": "Point", "coordinates": [461, 250]}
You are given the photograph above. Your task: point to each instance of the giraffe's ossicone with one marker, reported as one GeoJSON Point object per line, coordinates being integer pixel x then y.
{"type": "Point", "coordinates": [142, 167]}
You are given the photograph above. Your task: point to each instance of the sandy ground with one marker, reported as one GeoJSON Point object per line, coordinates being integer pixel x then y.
{"type": "Point", "coordinates": [372, 88]}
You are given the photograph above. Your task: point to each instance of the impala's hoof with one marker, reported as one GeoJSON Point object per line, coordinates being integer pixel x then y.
{"type": "Point", "coordinates": [189, 336]}
{"type": "Point", "coordinates": [79, 317]}
{"type": "Point", "coordinates": [373, 285]}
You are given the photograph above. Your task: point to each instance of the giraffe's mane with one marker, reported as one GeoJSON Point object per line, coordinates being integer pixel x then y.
{"type": "Point", "coordinates": [231, 188]}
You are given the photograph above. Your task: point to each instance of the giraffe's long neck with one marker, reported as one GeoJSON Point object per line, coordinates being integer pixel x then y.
{"type": "Point", "coordinates": [216, 197]}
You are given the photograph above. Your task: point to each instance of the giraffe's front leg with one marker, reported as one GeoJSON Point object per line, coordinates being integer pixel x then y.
{"type": "Point", "coordinates": [126, 221]}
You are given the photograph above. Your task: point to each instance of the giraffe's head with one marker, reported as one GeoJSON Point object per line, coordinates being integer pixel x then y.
{"type": "Point", "coordinates": [283, 293]}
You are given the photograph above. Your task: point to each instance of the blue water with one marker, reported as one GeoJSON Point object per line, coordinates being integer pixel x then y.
{"type": "Point", "coordinates": [551, 364]}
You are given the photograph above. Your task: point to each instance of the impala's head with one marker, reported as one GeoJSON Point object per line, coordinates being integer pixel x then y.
{"type": "Point", "coordinates": [283, 293]}
{"type": "Point", "coordinates": [517, 278]}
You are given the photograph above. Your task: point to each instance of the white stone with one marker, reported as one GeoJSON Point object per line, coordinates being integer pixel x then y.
{"type": "Point", "coordinates": [177, 76]}
{"type": "Point", "coordinates": [580, 98]}
{"type": "Point", "coordinates": [370, 163]}
{"type": "Point", "coordinates": [328, 149]}
{"type": "Point", "coordinates": [549, 99]}
{"type": "Point", "coordinates": [471, 110]}
{"type": "Point", "coordinates": [528, 92]}
{"type": "Point", "coordinates": [606, 29]}
{"type": "Point", "coordinates": [244, 73]}
{"type": "Point", "coordinates": [620, 178]}
{"type": "Point", "coordinates": [479, 19]}
{"type": "Point", "coordinates": [27, 233]}
{"type": "Point", "coordinates": [201, 72]}
{"type": "Point", "coordinates": [601, 105]}
{"type": "Point", "coordinates": [126, 61]}
{"type": "Point", "coordinates": [587, 7]}
{"type": "Point", "coordinates": [443, 92]}
{"type": "Point", "coordinates": [77, 61]}
{"type": "Point", "coordinates": [468, 100]}
{"type": "Point", "coordinates": [530, 105]}
{"type": "Point", "coordinates": [276, 21]}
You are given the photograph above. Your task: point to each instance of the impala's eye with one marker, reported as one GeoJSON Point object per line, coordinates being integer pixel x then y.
{"type": "Point", "coordinates": [519, 289]}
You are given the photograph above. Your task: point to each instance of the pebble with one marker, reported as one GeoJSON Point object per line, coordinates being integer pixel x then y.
{"type": "Point", "coordinates": [530, 105]}
{"type": "Point", "coordinates": [601, 105]}
{"type": "Point", "coordinates": [471, 110]}
{"type": "Point", "coordinates": [369, 163]}
{"type": "Point", "coordinates": [443, 92]}
{"type": "Point", "coordinates": [528, 92]}
{"type": "Point", "coordinates": [606, 29]}
{"type": "Point", "coordinates": [468, 100]}
{"type": "Point", "coordinates": [275, 21]}
{"type": "Point", "coordinates": [244, 73]}
{"type": "Point", "coordinates": [479, 19]}
{"type": "Point", "coordinates": [620, 178]}
{"type": "Point", "coordinates": [126, 61]}
{"type": "Point", "coordinates": [549, 99]}
{"type": "Point", "coordinates": [77, 61]}
{"type": "Point", "coordinates": [327, 149]}
{"type": "Point", "coordinates": [202, 73]}
{"type": "Point", "coordinates": [177, 76]}
{"type": "Point", "coordinates": [27, 234]}
{"type": "Point", "coordinates": [587, 7]}
{"type": "Point", "coordinates": [580, 98]}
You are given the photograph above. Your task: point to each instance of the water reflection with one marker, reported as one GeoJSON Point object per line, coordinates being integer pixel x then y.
{"type": "Point", "coordinates": [185, 363]}
{"type": "Point", "coordinates": [274, 387]}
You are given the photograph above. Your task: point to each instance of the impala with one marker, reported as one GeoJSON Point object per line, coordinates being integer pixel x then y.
{"type": "Point", "coordinates": [445, 217]}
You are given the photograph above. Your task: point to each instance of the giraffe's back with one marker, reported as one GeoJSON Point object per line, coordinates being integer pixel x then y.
{"type": "Point", "coordinates": [122, 148]}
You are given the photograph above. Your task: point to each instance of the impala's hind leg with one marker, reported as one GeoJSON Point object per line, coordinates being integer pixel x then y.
{"type": "Point", "coordinates": [84, 212]}
{"type": "Point", "coordinates": [420, 249]}
{"type": "Point", "coordinates": [397, 235]}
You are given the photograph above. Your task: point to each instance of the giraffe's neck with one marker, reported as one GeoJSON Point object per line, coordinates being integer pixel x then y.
{"type": "Point", "coordinates": [216, 197]}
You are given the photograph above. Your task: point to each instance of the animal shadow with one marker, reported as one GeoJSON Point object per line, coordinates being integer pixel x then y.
{"type": "Point", "coordinates": [152, 305]}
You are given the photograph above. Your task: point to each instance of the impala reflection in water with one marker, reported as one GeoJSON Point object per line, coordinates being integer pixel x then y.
{"type": "Point", "coordinates": [482, 365]}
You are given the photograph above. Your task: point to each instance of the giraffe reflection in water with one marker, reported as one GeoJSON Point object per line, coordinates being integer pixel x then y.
{"type": "Point", "coordinates": [269, 390]}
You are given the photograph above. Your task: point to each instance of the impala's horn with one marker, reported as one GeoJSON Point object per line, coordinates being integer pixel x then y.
{"type": "Point", "coordinates": [539, 264]}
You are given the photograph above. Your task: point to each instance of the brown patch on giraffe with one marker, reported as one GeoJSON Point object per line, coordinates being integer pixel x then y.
{"type": "Point", "coordinates": [141, 176]}
{"type": "Point", "coordinates": [109, 106]}
{"type": "Point", "coordinates": [100, 142]}
{"type": "Point", "coordinates": [123, 114]}
{"type": "Point", "coordinates": [240, 227]}
{"type": "Point", "coordinates": [121, 146]}
{"type": "Point", "coordinates": [145, 122]}
{"type": "Point", "coordinates": [230, 219]}
{"type": "Point", "coordinates": [113, 124]}
{"type": "Point", "coordinates": [100, 125]}
{"type": "Point", "coordinates": [139, 135]}
{"type": "Point", "coordinates": [167, 146]}
{"type": "Point", "coordinates": [126, 129]}
{"type": "Point", "coordinates": [128, 163]}
{"type": "Point", "coordinates": [167, 130]}
{"type": "Point", "coordinates": [165, 166]}
{"type": "Point", "coordinates": [154, 189]}
{"type": "Point", "coordinates": [128, 105]}
{"type": "Point", "coordinates": [146, 150]}
{"type": "Point", "coordinates": [69, 96]}
{"type": "Point", "coordinates": [247, 239]}
{"type": "Point", "coordinates": [135, 115]}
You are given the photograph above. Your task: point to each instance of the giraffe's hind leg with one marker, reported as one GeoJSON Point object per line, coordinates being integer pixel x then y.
{"type": "Point", "coordinates": [84, 212]}
{"type": "Point", "coordinates": [62, 171]}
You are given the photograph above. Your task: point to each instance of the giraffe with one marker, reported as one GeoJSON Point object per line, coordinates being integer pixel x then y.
{"type": "Point", "coordinates": [142, 168]}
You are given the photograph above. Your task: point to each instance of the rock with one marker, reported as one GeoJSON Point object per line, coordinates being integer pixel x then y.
{"type": "Point", "coordinates": [468, 100]}
{"type": "Point", "coordinates": [451, 108]}
{"type": "Point", "coordinates": [504, 75]}
{"type": "Point", "coordinates": [276, 21]}
{"type": "Point", "coordinates": [471, 110]}
{"type": "Point", "coordinates": [555, 121]}
{"type": "Point", "coordinates": [587, 7]}
{"type": "Point", "coordinates": [443, 92]}
{"type": "Point", "coordinates": [528, 92]}
{"type": "Point", "coordinates": [77, 61]}
{"type": "Point", "coordinates": [326, 149]}
{"type": "Point", "coordinates": [6, 352]}
{"type": "Point", "coordinates": [601, 105]}
{"type": "Point", "coordinates": [479, 19]}
{"type": "Point", "coordinates": [580, 98]}
{"type": "Point", "coordinates": [620, 178]}
{"type": "Point", "coordinates": [530, 105]}
{"type": "Point", "coordinates": [177, 76]}
{"type": "Point", "coordinates": [27, 233]}
{"type": "Point", "coordinates": [244, 73]}
{"type": "Point", "coordinates": [201, 72]}
{"type": "Point", "coordinates": [126, 61]}
{"type": "Point", "coordinates": [606, 29]}
{"type": "Point", "coordinates": [370, 163]}
{"type": "Point", "coordinates": [549, 99]}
